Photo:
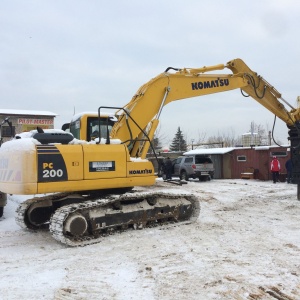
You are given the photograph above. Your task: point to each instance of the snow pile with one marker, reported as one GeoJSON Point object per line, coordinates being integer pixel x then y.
{"type": "Point", "coordinates": [25, 141]}
{"type": "Point", "coordinates": [24, 144]}
{"type": "Point", "coordinates": [244, 245]}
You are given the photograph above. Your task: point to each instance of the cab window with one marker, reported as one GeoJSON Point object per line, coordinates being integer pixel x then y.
{"type": "Point", "coordinates": [93, 127]}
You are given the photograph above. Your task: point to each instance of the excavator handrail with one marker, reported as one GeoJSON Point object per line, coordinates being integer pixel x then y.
{"type": "Point", "coordinates": [130, 140]}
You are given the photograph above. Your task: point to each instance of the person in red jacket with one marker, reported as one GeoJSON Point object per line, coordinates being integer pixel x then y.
{"type": "Point", "coordinates": [275, 169]}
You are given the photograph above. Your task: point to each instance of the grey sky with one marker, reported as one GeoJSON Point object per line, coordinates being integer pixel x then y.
{"type": "Point", "coordinates": [57, 55]}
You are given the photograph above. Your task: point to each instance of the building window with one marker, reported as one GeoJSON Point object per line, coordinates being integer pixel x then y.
{"type": "Point", "coordinates": [241, 158]}
{"type": "Point", "coordinates": [278, 153]}
{"type": "Point", "coordinates": [6, 131]}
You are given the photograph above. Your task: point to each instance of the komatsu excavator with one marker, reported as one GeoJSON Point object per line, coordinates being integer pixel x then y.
{"type": "Point", "coordinates": [88, 185]}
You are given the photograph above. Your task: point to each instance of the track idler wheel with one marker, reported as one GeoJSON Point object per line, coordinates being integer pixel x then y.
{"type": "Point", "coordinates": [76, 225]}
{"type": "Point", "coordinates": [38, 214]}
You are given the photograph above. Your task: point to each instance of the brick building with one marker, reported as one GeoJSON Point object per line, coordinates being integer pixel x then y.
{"type": "Point", "coordinates": [16, 121]}
{"type": "Point", "coordinates": [230, 163]}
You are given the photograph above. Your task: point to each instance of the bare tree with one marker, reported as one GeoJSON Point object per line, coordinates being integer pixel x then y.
{"type": "Point", "coordinates": [157, 140]}
{"type": "Point", "coordinates": [226, 139]}
{"type": "Point", "coordinates": [201, 137]}
{"type": "Point", "coordinates": [262, 133]}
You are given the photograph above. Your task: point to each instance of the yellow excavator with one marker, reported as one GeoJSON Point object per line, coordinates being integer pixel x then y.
{"type": "Point", "coordinates": [88, 176]}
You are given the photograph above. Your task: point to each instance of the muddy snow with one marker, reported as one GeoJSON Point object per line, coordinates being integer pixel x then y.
{"type": "Point", "coordinates": [244, 245]}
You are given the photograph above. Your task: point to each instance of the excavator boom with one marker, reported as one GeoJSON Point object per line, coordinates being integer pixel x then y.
{"type": "Point", "coordinates": [146, 105]}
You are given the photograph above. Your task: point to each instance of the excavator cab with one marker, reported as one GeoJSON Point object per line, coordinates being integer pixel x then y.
{"type": "Point", "coordinates": [85, 126]}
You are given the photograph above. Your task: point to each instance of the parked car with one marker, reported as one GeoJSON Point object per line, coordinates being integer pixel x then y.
{"type": "Point", "coordinates": [193, 166]}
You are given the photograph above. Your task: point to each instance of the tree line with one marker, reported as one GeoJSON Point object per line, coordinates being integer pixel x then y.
{"type": "Point", "coordinates": [229, 139]}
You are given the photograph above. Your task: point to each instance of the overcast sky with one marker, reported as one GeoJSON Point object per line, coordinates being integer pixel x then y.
{"type": "Point", "coordinates": [57, 55]}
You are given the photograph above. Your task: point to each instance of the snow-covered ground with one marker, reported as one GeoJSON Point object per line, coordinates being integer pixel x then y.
{"type": "Point", "coordinates": [244, 245]}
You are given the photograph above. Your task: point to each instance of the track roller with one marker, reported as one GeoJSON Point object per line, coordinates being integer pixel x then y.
{"type": "Point", "coordinates": [76, 225]}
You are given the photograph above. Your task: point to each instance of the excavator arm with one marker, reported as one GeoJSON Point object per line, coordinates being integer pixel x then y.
{"type": "Point", "coordinates": [146, 105]}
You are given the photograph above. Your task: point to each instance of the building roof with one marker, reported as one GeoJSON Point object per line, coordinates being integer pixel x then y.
{"type": "Point", "coordinates": [270, 147]}
{"type": "Point", "coordinates": [210, 151]}
{"type": "Point", "coordinates": [225, 150]}
{"type": "Point", "coordinates": [23, 112]}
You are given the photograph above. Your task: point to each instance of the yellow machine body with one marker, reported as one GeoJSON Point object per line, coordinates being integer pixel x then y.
{"type": "Point", "coordinates": [67, 168]}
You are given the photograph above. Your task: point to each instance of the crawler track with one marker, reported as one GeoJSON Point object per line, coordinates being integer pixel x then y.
{"type": "Point", "coordinates": [22, 211]}
{"type": "Point", "coordinates": [87, 222]}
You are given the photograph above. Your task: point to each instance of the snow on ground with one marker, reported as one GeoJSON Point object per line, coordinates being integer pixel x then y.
{"type": "Point", "coordinates": [244, 245]}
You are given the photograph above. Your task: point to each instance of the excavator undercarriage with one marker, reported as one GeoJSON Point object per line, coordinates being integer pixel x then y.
{"type": "Point", "coordinates": [82, 219]}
